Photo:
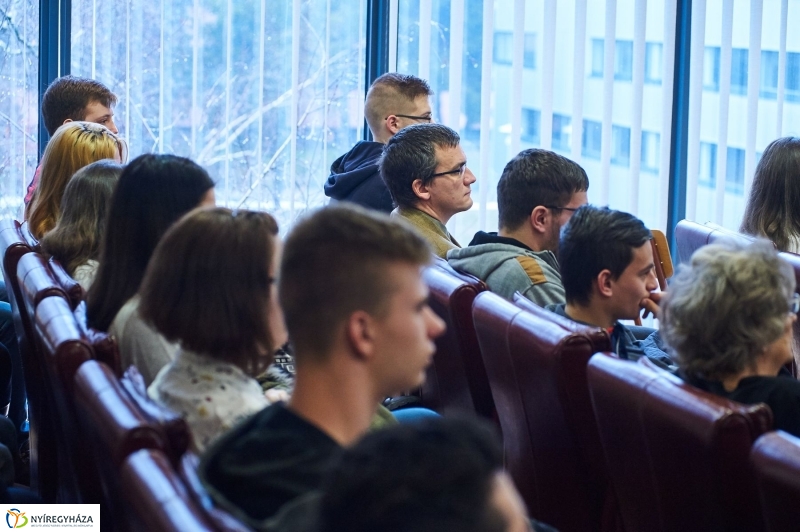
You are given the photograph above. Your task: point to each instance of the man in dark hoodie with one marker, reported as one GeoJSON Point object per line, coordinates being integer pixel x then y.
{"type": "Point", "coordinates": [536, 195]}
{"type": "Point", "coordinates": [394, 101]}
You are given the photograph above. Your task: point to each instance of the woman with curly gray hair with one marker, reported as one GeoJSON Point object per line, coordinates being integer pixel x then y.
{"type": "Point", "coordinates": [728, 319]}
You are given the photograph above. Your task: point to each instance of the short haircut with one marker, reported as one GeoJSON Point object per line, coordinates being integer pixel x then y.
{"type": "Point", "coordinates": [76, 237]}
{"type": "Point", "coordinates": [725, 306]}
{"type": "Point", "coordinates": [67, 97]}
{"type": "Point", "coordinates": [389, 93]}
{"type": "Point", "coordinates": [74, 145]}
{"type": "Point", "coordinates": [771, 210]}
{"type": "Point", "coordinates": [597, 239]}
{"type": "Point", "coordinates": [536, 177]}
{"type": "Point", "coordinates": [334, 263]}
{"type": "Point", "coordinates": [153, 192]}
{"type": "Point", "coordinates": [410, 155]}
{"type": "Point", "coordinates": [208, 285]}
{"type": "Point", "coordinates": [433, 476]}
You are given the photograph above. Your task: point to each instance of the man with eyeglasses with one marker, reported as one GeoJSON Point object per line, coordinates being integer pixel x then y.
{"type": "Point", "coordinates": [536, 195]}
{"type": "Point", "coordinates": [426, 172]}
{"type": "Point", "coordinates": [394, 101]}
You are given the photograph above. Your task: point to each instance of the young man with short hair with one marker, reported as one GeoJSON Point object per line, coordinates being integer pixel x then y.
{"type": "Point", "coordinates": [426, 172]}
{"type": "Point", "coordinates": [440, 475]}
{"type": "Point", "coordinates": [536, 195]}
{"type": "Point", "coordinates": [393, 102]}
{"type": "Point", "coordinates": [71, 98]}
{"type": "Point", "coordinates": [361, 330]}
{"type": "Point", "coordinates": [608, 272]}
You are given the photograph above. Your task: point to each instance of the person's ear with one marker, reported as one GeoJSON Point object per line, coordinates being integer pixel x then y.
{"type": "Point", "coordinates": [66, 121]}
{"type": "Point", "coordinates": [539, 218]}
{"type": "Point", "coordinates": [605, 285]}
{"type": "Point", "coordinates": [393, 124]}
{"type": "Point", "coordinates": [360, 334]}
{"type": "Point", "coordinates": [421, 190]}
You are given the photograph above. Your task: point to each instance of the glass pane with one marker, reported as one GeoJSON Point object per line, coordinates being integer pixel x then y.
{"type": "Point", "coordinates": [216, 81]}
{"type": "Point", "coordinates": [19, 103]}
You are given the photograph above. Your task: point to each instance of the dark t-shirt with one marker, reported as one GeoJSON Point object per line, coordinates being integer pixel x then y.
{"type": "Point", "coordinates": [267, 461]}
{"type": "Point", "coordinates": [781, 394]}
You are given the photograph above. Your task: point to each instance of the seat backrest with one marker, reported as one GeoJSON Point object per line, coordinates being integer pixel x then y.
{"type": "Point", "coordinates": [599, 337]}
{"type": "Point", "coordinates": [28, 237]}
{"type": "Point", "coordinates": [73, 289]}
{"type": "Point", "coordinates": [677, 456]}
{"type": "Point", "coordinates": [690, 236]}
{"type": "Point", "coordinates": [537, 372]}
{"type": "Point", "coordinates": [103, 344]}
{"type": "Point", "coordinates": [37, 281]}
{"type": "Point", "coordinates": [776, 461]}
{"type": "Point", "coordinates": [173, 427]}
{"type": "Point", "coordinates": [456, 380]}
{"type": "Point", "coordinates": [156, 495]}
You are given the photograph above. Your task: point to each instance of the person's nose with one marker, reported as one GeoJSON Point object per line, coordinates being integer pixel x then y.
{"type": "Point", "coordinates": [436, 325]}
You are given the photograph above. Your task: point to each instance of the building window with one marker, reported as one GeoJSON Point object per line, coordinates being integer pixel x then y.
{"type": "Point", "coordinates": [597, 58]}
{"type": "Point", "coordinates": [623, 61]}
{"type": "Point", "coordinates": [769, 75]}
{"type": "Point", "coordinates": [592, 139]}
{"type": "Point", "coordinates": [734, 172]}
{"type": "Point", "coordinates": [711, 69]}
{"type": "Point", "coordinates": [793, 77]}
{"type": "Point", "coordinates": [653, 52]}
{"type": "Point", "coordinates": [503, 47]}
{"type": "Point", "coordinates": [562, 132]}
{"type": "Point", "coordinates": [651, 151]}
{"type": "Point", "coordinates": [708, 165]}
{"type": "Point", "coordinates": [620, 145]}
{"type": "Point", "coordinates": [531, 120]}
{"type": "Point", "coordinates": [529, 57]}
{"type": "Point", "coordinates": [739, 71]}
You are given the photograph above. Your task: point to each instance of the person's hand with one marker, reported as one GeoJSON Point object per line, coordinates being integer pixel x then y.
{"type": "Point", "coordinates": [273, 396]}
{"type": "Point", "coordinates": [650, 304]}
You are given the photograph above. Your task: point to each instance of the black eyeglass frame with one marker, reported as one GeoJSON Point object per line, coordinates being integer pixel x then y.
{"type": "Point", "coordinates": [461, 170]}
{"type": "Point", "coordinates": [426, 118]}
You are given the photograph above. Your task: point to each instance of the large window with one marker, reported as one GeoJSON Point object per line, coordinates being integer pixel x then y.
{"type": "Point", "coordinates": [19, 71]}
{"type": "Point", "coordinates": [265, 95]}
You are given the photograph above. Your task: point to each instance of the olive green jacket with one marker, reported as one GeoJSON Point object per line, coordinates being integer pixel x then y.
{"type": "Point", "coordinates": [429, 227]}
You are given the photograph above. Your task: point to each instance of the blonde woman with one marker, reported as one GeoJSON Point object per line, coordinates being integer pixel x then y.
{"type": "Point", "coordinates": [74, 145]}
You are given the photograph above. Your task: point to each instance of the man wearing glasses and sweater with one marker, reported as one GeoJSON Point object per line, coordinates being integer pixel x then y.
{"type": "Point", "coordinates": [394, 101]}
{"type": "Point", "coordinates": [536, 196]}
{"type": "Point", "coordinates": [426, 172]}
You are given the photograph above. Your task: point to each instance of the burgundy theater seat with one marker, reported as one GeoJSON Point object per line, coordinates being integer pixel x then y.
{"type": "Point", "coordinates": [28, 238]}
{"type": "Point", "coordinates": [599, 337]}
{"type": "Point", "coordinates": [104, 346]}
{"type": "Point", "coordinates": [157, 498]}
{"type": "Point", "coordinates": [776, 461]}
{"type": "Point", "coordinates": [71, 287]}
{"type": "Point", "coordinates": [456, 380]}
{"type": "Point", "coordinates": [690, 236]}
{"type": "Point", "coordinates": [677, 456]}
{"type": "Point", "coordinates": [537, 372]}
{"type": "Point", "coordinates": [173, 428]}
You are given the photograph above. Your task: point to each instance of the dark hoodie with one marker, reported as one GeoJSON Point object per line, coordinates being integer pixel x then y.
{"type": "Point", "coordinates": [355, 177]}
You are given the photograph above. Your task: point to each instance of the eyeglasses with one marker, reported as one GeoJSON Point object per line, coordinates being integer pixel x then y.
{"type": "Point", "coordinates": [425, 118]}
{"type": "Point", "coordinates": [570, 209]}
{"type": "Point", "coordinates": [794, 304]}
{"type": "Point", "coordinates": [460, 171]}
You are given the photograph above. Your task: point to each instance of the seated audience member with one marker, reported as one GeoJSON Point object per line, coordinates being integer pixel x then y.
{"type": "Point", "coordinates": [394, 101]}
{"type": "Point", "coordinates": [74, 145]}
{"type": "Point", "coordinates": [362, 331]}
{"type": "Point", "coordinates": [728, 318]}
{"type": "Point", "coordinates": [152, 193]}
{"type": "Point", "coordinates": [222, 309]}
{"type": "Point", "coordinates": [426, 172]}
{"type": "Point", "coordinates": [607, 269]}
{"type": "Point", "coordinates": [75, 240]}
{"type": "Point", "coordinates": [536, 195]}
{"type": "Point", "coordinates": [441, 475]}
{"type": "Point", "coordinates": [71, 98]}
{"type": "Point", "coordinates": [772, 208]}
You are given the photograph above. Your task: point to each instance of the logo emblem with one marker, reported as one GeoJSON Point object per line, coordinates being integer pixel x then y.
{"type": "Point", "coordinates": [18, 516]}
